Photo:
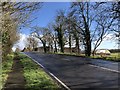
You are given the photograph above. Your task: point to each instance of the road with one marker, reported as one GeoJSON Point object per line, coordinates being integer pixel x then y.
{"type": "Point", "coordinates": [78, 72]}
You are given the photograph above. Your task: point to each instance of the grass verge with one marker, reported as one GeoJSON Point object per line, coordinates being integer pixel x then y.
{"type": "Point", "coordinates": [112, 57]}
{"type": "Point", "coordinates": [36, 78]}
{"type": "Point", "coordinates": [6, 68]}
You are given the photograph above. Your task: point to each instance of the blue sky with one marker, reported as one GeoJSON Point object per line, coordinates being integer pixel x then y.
{"type": "Point", "coordinates": [47, 14]}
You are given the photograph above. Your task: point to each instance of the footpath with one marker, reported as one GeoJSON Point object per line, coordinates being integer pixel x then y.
{"type": "Point", "coordinates": [15, 80]}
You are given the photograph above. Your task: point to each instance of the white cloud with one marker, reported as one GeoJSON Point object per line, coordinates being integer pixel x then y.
{"type": "Point", "coordinates": [109, 42]}
{"type": "Point", "coordinates": [110, 37]}
{"type": "Point", "coordinates": [21, 43]}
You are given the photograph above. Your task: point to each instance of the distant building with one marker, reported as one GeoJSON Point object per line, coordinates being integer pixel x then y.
{"type": "Point", "coordinates": [67, 49]}
{"type": "Point", "coordinates": [17, 50]}
{"type": "Point", "coordinates": [102, 51]}
{"type": "Point", "coordinates": [26, 49]}
{"type": "Point", "coordinates": [41, 49]}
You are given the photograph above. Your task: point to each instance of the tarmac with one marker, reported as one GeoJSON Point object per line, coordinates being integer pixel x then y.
{"type": "Point", "coordinates": [78, 72]}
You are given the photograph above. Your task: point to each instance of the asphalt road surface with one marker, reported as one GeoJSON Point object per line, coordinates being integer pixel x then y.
{"type": "Point", "coordinates": [78, 72]}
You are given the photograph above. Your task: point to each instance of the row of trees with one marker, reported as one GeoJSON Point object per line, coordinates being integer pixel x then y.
{"type": "Point", "coordinates": [82, 24]}
{"type": "Point", "coordinates": [13, 16]}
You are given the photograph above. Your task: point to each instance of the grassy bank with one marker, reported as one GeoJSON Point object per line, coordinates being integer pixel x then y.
{"type": "Point", "coordinates": [6, 68]}
{"type": "Point", "coordinates": [36, 78]}
{"type": "Point", "coordinates": [111, 57]}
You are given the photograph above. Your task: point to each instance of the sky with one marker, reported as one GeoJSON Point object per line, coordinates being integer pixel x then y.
{"type": "Point", "coordinates": [46, 15]}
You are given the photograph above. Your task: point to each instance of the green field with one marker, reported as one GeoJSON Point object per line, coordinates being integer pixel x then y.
{"type": "Point", "coordinates": [111, 57]}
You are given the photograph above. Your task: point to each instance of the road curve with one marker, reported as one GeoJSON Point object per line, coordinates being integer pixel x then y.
{"type": "Point", "coordinates": [77, 72]}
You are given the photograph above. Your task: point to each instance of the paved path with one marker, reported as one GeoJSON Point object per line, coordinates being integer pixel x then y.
{"type": "Point", "coordinates": [15, 79]}
{"type": "Point", "coordinates": [77, 72]}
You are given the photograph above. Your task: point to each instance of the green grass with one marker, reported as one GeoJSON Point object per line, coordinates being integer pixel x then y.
{"type": "Point", "coordinates": [111, 57]}
{"type": "Point", "coordinates": [116, 55]}
{"type": "Point", "coordinates": [6, 68]}
{"type": "Point", "coordinates": [36, 77]}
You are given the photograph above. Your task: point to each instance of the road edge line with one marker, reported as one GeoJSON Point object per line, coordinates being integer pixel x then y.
{"type": "Point", "coordinates": [65, 86]}
{"type": "Point", "coordinates": [104, 68]}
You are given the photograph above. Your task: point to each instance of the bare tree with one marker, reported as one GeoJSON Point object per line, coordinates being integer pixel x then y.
{"type": "Point", "coordinates": [116, 15]}
{"type": "Point", "coordinates": [60, 29]}
{"type": "Point", "coordinates": [52, 40]}
{"type": "Point", "coordinates": [102, 30]}
{"type": "Point", "coordinates": [73, 32]}
{"type": "Point", "coordinates": [32, 42]}
{"type": "Point", "coordinates": [81, 12]}
{"type": "Point", "coordinates": [95, 21]}
{"type": "Point", "coordinates": [43, 35]}
{"type": "Point", "coordinates": [104, 24]}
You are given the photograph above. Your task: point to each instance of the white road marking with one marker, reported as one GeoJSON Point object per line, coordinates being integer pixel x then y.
{"type": "Point", "coordinates": [115, 63]}
{"type": "Point", "coordinates": [66, 59]}
{"type": "Point", "coordinates": [50, 73]}
{"type": "Point", "coordinates": [105, 68]}
{"type": "Point", "coordinates": [60, 81]}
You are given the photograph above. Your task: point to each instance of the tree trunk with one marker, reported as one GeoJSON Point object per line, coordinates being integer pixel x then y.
{"type": "Point", "coordinates": [44, 46]}
{"type": "Point", "coordinates": [88, 44]}
{"type": "Point", "coordinates": [60, 38]}
{"type": "Point", "coordinates": [93, 53]}
{"type": "Point", "coordinates": [70, 49]}
{"type": "Point", "coordinates": [61, 43]}
{"type": "Point", "coordinates": [62, 47]}
{"type": "Point", "coordinates": [55, 46]}
{"type": "Point", "coordinates": [87, 38]}
{"type": "Point", "coordinates": [77, 45]}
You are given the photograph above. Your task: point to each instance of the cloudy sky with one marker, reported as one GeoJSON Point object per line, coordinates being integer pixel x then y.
{"type": "Point", "coordinates": [46, 15]}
